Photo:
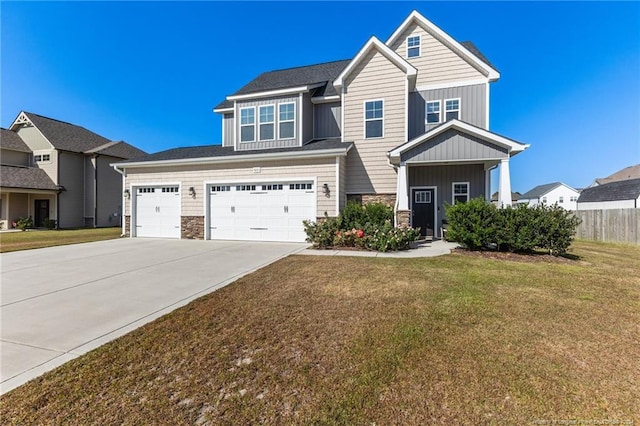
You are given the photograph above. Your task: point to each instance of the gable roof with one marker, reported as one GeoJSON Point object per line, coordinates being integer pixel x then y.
{"type": "Point", "coordinates": [311, 75]}
{"type": "Point", "coordinates": [119, 149]}
{"type": "Point", "coordinates": [466, 52]}
{"type": "Point", "coordinates": [631, 172]}
{"type": "Point", "coordinates": [541, 190]}
{"type": "Point", "coordinates": [371, 44]}
{"type": "Point", "coordinates": [628, 189]}
{"type": "Point", "coordinates": [25, 178]}
{"type": "Point", "coordinates": [512, 146]}
{"type": "Point", "coordinates": [10, 140]}
{"type": "Point", "coordinates": [65, 136]}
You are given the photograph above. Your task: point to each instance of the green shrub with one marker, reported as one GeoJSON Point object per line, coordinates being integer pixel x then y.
{"type": "Point", "coordinates": [322, 233]}
{"type": "Point", "coordinates": [357, 216]}
{"type": "Point", "coordinates": [352, 216]}
{"type": "Point", "coordinates": [471, 224]}
{"type": "Point", "coordinates": [49, 223]}
{"type": "Point", "coordinates": [517, 229]}
{"type": "Point", "coordinates": [390, 238]}
{"type": "Point", "coordinates": [24, 223]}
{"type": "Point", "coordinates": [557, 229]}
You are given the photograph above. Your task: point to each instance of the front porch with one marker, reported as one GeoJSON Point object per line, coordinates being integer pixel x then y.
{"type": "Point", "coordinates": [39, 205]}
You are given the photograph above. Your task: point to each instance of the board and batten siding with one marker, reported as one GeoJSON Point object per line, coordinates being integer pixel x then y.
{"type": "Point", "coordinates": [454, 145]}
{"type": "Point", "coordinates": [324, 170]}
{"type": "Point", "coordinates": [375, 77]}
{"type": "Point", "coordinates": [437, 63]}
{"type": "Point", "coordinates": [307, 118]}
{"type": "Point", "coordinates": [327, 120]}
{"type": "Point", "coordinates": [473, 106]}
{"type": "Point", "coordinates": [227, 123]}
{"type": "Point", "coordinates": [72, 173]}
{"type": "Point", "coordinates": [276, 143]}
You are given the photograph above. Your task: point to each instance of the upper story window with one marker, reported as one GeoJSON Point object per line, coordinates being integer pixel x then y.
{"type": "Point", "coordinates": [247, 124]}
{"type": "Point", "coordinates": [544, 200]}
{"type": "Point", "coordinates": [286, 120]}
{"type": "Point", "coordinates": [373, 119]}
{"type": "Point", "coordinates": [433, 112]}
{"type": "Point", "coordinates": [413, 46]}
{"type": "Point", "coordinates": [452, 109]}
{"type": "Point", "coordinates": [573, 198]}
{"type": "Point", "coordinates": [267, 120]}
{"type": "Point", "coordinates": [41, 158]}
{"type": "Point", "coordinates": [561, 200]}
{"type": "Point", "coordinates": [460, 192]}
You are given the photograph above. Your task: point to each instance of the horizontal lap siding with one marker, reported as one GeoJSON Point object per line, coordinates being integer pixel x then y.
{"type": "Point", "coordinates": [437, 63]}
{"type": "Point", "coordinates": [197, 175]}
{"type": "Point", "coordinates": [284, 143]}
{"type": "Point", "coordinates": [453, 145]}
{"type": "Point", "coordinates": [367, 167]}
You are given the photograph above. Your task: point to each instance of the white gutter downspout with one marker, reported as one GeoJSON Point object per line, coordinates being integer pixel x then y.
{"type": "Point", "coordinates": [124, 200]}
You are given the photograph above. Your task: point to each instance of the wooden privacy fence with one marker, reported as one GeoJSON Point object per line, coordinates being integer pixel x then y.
{"type": "Point", "coordinates": [617, 225]}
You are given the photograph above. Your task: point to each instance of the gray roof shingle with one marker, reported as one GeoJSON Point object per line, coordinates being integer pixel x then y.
{"type": "Point", "coordinates": [614, 191]}
{"type": "Point", "coordinates": [473, 49]}
{"type": "Point", "coordinates": [631, 172]}
{"type": "Point", "coordinates": [10, 140]}
{"type": "Point", "coordinates": [66, 136]}
{"type": "Point", "coordinates": [25, 178]}
{"type": "Point", "coordinates": [119, 149]}
{"type": "Point", "coordinates": [539, 190]}
{"type": "Point", "coordinates": [210, 151]}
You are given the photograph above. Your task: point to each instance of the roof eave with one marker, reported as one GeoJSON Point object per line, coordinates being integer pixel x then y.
{"type": "Point", "coordinates": [276, 92]}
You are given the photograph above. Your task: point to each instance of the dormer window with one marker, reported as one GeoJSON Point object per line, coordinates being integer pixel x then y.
{"type": "Point", "coordinates": [247, 124]}
{"type": "Point", "coordinates": [267, 123]}
{"type": "Point", "coordinates": [452, 109]}
{"type": "Point", "coordinates": [413, 46]}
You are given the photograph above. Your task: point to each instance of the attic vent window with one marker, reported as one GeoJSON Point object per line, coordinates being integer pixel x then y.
{"type": "Point", "coordinates": [413, 46]}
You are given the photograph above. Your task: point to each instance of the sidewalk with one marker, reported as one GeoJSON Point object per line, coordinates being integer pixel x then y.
{"type": "Point", "coordinates": [423, 249]}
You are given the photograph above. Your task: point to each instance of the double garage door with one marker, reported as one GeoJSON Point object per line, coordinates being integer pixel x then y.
{"type": "Point", "coordinates": [261, 212]}
{"type": "Point", "coordinates": [243, 211]}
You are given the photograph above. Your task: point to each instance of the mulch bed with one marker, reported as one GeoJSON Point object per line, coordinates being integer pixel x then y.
{"type": "Point", "coordinates": [537, 257]}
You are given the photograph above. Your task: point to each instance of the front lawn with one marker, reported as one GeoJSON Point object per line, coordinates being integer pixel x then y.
{"type": "Point", "coordinates": [457, 339]}
{"type": "Point", "coordinates": [14, 241]}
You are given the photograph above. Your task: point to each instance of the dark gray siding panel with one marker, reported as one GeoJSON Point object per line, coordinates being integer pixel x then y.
{"type": "Point", "coordinates": [327, 120]}
{"type": "Point", "coordinates": [473, 106]}
{"type": "Point", "coordinates": [443, 178]}
{"type": "Point", "coordinates": [307, 118]}
{"type": "Point", "coordinates": [454, 145]}
{"type": "Point", "coordinates": [227, 122]}
{"type": "Point", "coordinates": [273, 143]}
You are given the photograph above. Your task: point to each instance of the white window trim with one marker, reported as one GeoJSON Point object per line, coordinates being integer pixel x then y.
{"type": "Point", "coordinates": [267, 122]}
{"type": "Point", "coordinates": [255, 130]}
{"type": "Point", "coordinates": [457, 110]}
{"type": "Point", "coordinates": [364, 115]}
{"type": "Point", "coordinates": [419, 46]}
{"type": "Point", "coordinates": [287, 121]}
{"type": "Point", "coordinates": [439, 102]}
{"type": "Point", "coordinates": [453, 191]}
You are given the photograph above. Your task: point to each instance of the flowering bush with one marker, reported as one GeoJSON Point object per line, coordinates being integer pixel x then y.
{"type": "Point", "coordinates": [390, 238]}
{"type": "Point", "coordinates": [23, 223]}
{"type": "Point", "coordinates": [351, 238]}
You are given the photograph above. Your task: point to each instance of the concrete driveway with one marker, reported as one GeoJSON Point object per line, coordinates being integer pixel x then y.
{"type": "Point", "coordinates": [61, 302]}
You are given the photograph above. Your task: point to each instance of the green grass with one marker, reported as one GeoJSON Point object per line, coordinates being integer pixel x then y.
{"type": "Point", "coordinates": [456, 339]}
{"type": "Point", "coordinates": [14, 241]}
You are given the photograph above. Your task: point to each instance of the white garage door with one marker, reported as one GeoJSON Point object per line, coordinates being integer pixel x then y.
{"type": "Point", "coordinates": [261, 212]}
{"type": "Point", "coordinates": [158, 211]}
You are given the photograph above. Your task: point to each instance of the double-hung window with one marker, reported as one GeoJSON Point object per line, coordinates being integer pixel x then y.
{"type": "Point", "coordinates": [247, 124]}
{"type": "Point", "coordinates": [433, 112]}
{"type": "Point", "coordinates": [373, 119]}
{"type": "Point", "coordinates": [452, 109]}
{"type": "Point", "coordinates": [267, 120]}
{"type": "Point", "coordinates": [460, 192]}
{"type": "Point", "coordinates": [286, 121]}
{"type": "Point", "coordinates": [413, 46]}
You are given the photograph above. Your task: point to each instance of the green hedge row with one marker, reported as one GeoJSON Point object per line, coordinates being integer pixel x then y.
{"type": "Point", "coordinates": [478, 225]}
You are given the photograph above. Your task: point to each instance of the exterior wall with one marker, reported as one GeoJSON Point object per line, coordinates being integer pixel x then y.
{"type": "Point", "coordinates": [454, 145]}
{"type": "Point", "coordinates": [14, 206]}
{"type": "Point", "coordinates": [4, 211]}
{"type": "Point", "coordinates": [437, 63]}
{"type": "Point", "coordinates": [609, 205]}
{"type": "Point", "coordinates": [192, 227]}
{"type": "Point", "coordinates": [268, 144]}
{"type": "Point", "coordinates": [553, 197]}
{"type": "Point", "coordinates": [367, 168]}
{"type": "Point", "coordinates": [342, 172]}
{"type": "Point", "coordinates": [227, 126]}
{"type": "Point", "coordinates": [72, 199]}
{"type": "Point", "coordinates": [473, 106]}
{"type": "Point", "coordinates": [15, 158]}
{"type": "Point", "coordinates": [109, 193]}
{"type": "Point", "coordinates": [89, 190]}
{"type": "Point", "coordinates": [33, 138]}
{"type": "Point", "coordinates": [307, 118]}
{"type": "Point", "coordinates": [443, 177]}
{"type": "Point", "coordinates": [327, 120]}
{"type": "Point", "coordinates": [198, 175]}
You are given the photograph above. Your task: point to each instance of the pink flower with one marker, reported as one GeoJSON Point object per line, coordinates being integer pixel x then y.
{"type": "Point", "coordinates": [360, 233]}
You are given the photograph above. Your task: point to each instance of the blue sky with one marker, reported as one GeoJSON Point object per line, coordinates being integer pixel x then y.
{"type": "Point", "coordinates": [150, 73]}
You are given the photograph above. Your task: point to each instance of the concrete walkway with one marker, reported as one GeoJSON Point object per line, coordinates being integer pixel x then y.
{"type": "Point", "coordinates": [60, 302]}
{"type": "Point", "coordinates": [422, 249]}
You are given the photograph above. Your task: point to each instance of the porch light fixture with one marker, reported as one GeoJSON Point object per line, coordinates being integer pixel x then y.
{"type": "Point", "coordinates": [127, 194]}
{"type": "Point", "coordinates": [325, 189]}
{"type": "Point", "coordinates": [192, 192]}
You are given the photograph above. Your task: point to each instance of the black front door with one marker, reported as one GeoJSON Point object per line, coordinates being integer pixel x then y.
{"type": "Point", "coordinates": [422, 210]}
{"type": "Point", "coordinates": [41, 213]}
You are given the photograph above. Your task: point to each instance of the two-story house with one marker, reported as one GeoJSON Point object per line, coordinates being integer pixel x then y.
{"type": "Point", "coordinates": [404, 122]}
{"type": "Point", "coordinates": [59, 171]}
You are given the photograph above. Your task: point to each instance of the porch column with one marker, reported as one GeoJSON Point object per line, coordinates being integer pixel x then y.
{"type": "Point", "coordinates": [504, 185]}
{"type": "Point", "coordinates": [402, 197]}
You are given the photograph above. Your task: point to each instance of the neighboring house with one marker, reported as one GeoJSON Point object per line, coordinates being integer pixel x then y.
{"type": "Point", "coordinates": [622, 194]}
{"type": "Point", "coordinates": [551, 193]}
{"type": "Point", "coordinates": [631, 172]}
{"type": "Point", "coordinates": [515, 196]}
{"type": "Point", "coordinates": [405, 122]}
{"type": "Point", "coordinates": [60, 171]}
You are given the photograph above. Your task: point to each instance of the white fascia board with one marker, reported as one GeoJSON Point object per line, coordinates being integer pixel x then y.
{"type": "Point", "coordinates": [512, 147]}
{"type": "Point", "coordinates": [325, 99]}
{"type": "Point", "coordinates": [374, 43]}
{"type": "Point", "coordinates": [338, 152]}
{"type": "Point", "coordinates": [223, 110]}
{"type": "Point", "coordinates": [279, 92]}
{"type": "Point", "coordinates": [430, 27]}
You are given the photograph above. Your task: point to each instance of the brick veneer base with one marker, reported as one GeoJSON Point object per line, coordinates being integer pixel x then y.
{"type": "Point", "coordinates": [127, 226]}
{"type": "Point", "coordinates": [192, 227]}
{"type": "Point", "coordinates": [403, 218]}
{"type": "Point", "coordinates": [388, 199]}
